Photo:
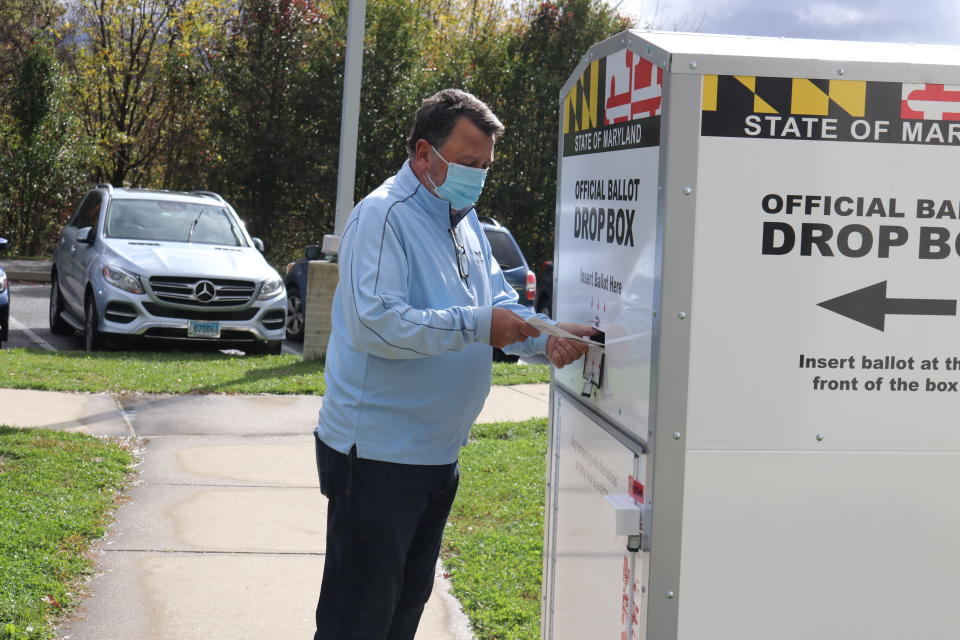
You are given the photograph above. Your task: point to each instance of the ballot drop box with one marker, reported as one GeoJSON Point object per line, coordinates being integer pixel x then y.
{"type": "Point", "coordinates": [766, 232]}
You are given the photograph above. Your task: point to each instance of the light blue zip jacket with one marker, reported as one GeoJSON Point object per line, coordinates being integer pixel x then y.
{"type": "Point", "coordinates": [408, 362]}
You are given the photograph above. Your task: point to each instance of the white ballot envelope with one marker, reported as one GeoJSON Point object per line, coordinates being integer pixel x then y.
{"type": "Point", "coordinates": [545, 327]}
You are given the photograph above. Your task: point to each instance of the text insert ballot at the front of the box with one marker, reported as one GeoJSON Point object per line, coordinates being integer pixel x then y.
{"type": "Point", "coordinates": [606, 229]}
{"type": "Point", "coordinates": [827, 248]}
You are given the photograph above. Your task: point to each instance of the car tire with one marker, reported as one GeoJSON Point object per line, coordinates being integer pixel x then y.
{"type": "Point", "coordinates": [500, 356]}
{"type": "Point", "coordinates": [58, 325]}
{"type": "Point", "coordinates": [296, 315]}
{"type": "Point", "coordinates": [93, 339]}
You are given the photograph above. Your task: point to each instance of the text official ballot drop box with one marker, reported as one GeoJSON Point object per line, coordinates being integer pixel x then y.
{"type": "Point", "coordinates": [767, 232]}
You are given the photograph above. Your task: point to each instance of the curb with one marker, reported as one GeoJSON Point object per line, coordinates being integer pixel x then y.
{"type": "Point", "coordinates": [30, 270]}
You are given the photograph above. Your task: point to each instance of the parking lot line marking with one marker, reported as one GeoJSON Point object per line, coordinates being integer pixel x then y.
{"type": "Point", "coordinates": [19, 326]}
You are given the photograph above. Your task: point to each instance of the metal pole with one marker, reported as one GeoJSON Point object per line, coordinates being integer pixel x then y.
{"type": "Point", "coordinates": [350, 113]}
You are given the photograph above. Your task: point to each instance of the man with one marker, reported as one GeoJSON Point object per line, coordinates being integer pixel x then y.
{"type": "Point", "coordinates": [419, 306]}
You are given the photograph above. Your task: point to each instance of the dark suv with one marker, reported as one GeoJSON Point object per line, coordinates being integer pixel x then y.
{"type": "Point", "coordinates": [506, 251]}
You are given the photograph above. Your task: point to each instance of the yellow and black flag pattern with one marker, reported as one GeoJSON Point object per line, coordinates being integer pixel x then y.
{"type": "Point", "coordinates": [800, 108]}
{"type": "Point", "coordinates": [613, 105]}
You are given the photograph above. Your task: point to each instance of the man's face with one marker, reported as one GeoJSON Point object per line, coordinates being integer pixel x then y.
{"type": "Point", "coordinates": [466, 145]}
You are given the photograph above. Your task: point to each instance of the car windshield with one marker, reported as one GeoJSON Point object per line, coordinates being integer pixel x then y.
{"type": "Point", "coordinates": [504, 251]}
{"type": "Point", "coordinates": [171, 221]}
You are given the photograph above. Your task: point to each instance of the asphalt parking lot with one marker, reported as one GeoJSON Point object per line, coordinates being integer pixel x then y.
{"type": "Point", "coordinates": [29, 326]}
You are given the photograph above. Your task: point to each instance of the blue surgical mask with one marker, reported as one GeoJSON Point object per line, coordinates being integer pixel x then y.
{"type": "Point", "coordinates": [463, 184]}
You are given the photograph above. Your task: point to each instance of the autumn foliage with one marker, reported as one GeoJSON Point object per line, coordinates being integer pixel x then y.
{"type": "Point", "coordinates": [243, 97]}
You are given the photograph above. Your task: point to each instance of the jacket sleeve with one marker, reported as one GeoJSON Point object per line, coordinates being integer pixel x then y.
{"type": "Point", "coordinates": [374, 278]}
{"type": "Point", "coordinates": [505, 297]}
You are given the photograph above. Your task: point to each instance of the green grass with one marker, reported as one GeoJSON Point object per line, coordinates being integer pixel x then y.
{"type": "Point", "coordinates": [173, 372]}
{"type": "Point", "coordinates": [56, 490]}
{"type": "Point", "coordinates": [493, 545]}
{"type": "Point", "coordinates": [507, 373]}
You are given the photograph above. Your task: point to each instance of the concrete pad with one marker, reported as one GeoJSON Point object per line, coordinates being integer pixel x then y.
{"type": "Point", "coordinates": [221, 519]}
{"type": "Point", "coordinates": [512, 404]}
{"type": "Point", "coordinates": [223, 460]}
{"type": "Point", "coordinates": [222, 415]}
{"type": "Point", "coordinates": [96, 414]}
{"type": "Point", "coordinates": [177, 596]}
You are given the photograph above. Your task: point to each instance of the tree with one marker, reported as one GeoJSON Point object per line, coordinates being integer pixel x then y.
{"type": "Point", "coordinates": [40, 153]}
{"type": "Point", "coordinates": [132, 73]}
{"type": "Point", "coordinates": [22, 24]}
{"type": "Point", "coordinates": [275, 114]}
{"type": "Point", "coordinates": [524, 91]}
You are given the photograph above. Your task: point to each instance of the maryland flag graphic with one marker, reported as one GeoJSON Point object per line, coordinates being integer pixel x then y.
{"type": "Point", "coordinates": [930, 102]}
{"type": "Point", "coordinates": [842, 110]}
{"type": "Point", "coordinates": [615, 104]}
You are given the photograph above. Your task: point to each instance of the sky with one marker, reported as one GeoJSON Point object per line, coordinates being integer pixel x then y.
{"type": "Point", "coordinates": [917, 21]}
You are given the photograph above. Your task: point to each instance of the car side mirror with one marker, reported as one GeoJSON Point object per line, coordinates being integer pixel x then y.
{"type": "Point", "coordinates": [4, 245]}
{"type": "Point", "coordinates": [85, 235]}
{"type": "Point", "coordinates": [258, 243]}
{"type": "Point", "coordinates": [312, 252]}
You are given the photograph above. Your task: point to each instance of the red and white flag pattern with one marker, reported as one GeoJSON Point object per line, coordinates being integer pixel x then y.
{"type": "Point", "coordinates": [634, 88]}
{"type": "Point", "coordinates": [930, 102]}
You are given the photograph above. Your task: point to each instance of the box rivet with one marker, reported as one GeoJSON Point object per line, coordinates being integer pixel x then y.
{"type": "Point", "coordinates": [693, 64]}
{"type": "Point", "coordinates": [841, 71]}
{"type": "Point", "coordinates": [819, 437]}
{"type": "Point", "coordinates": [670, 595]}
{"type": "Point", "coordinates": [687, 191]}
{"type": "Point", "coordinates": [682, 315]}
{"type": "Point", "coordinates": [676, 435]}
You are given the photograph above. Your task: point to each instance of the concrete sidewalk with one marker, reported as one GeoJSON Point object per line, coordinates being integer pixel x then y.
{"type": "Point", "coordinates": [222, 537]}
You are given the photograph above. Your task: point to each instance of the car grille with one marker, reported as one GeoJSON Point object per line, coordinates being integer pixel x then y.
{"type": "Point", "coordinates": [198, 314]}
{"type": "Point", "coordinates": [180, 290]}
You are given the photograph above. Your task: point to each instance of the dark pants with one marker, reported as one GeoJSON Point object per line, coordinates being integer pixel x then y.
{"type": "Point", "coordinates": [384, 526]}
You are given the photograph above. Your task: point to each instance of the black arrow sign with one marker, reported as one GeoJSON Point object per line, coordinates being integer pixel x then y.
{"type": "Point", "coordinates": [871, 306]}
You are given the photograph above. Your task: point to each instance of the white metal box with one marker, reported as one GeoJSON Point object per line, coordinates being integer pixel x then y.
{"type": "Point", "coordinates": [767, 231]}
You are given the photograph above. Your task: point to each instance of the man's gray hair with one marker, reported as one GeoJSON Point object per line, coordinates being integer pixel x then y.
{"type": "Point", "coordinates": [438, 113]}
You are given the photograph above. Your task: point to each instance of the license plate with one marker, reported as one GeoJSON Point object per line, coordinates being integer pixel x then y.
{"type": "Point", "coordinates": [203, 329]}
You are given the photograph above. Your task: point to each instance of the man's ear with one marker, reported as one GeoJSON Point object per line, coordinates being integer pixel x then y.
{"type": "Point", "coordinates": [421, 153]}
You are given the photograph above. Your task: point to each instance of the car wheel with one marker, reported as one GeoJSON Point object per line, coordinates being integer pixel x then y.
{"type": "Point", "coordinates": [296, 315]}
{"type": "Point", "coordinates": [93, 339]}
{"type": "Point", "coordinates": [500, 356]}
{"type": "Point", "coordinates": [58, 326]}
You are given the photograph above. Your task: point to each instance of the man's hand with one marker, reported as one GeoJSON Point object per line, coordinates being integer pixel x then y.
{"type": "Point", "coordinates": [506, 327]}
{"type": "Point", "coordinates": [563, 351]}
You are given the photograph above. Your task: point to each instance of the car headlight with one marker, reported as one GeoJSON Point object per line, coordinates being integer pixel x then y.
{"type": "Point", "coordinates": [271, 289]}
{"type": "Point", "coordinates": [3, 281]}
{"type": "Point", "coordinates": [122, 279]}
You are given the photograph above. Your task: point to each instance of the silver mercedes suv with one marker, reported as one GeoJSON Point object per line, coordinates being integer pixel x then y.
{"type": "Point", "coordinates": [164, 265]}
